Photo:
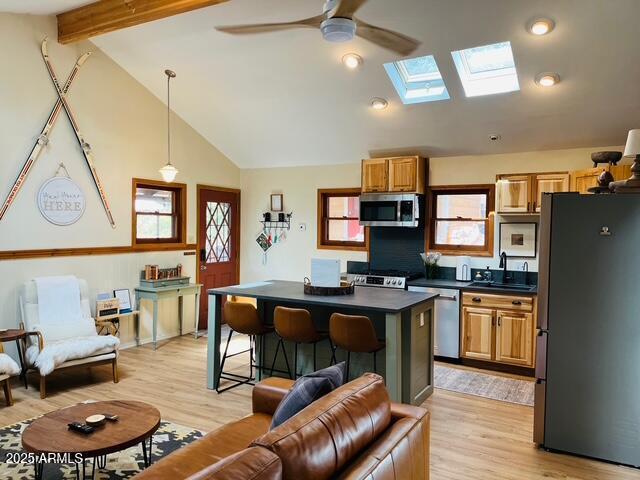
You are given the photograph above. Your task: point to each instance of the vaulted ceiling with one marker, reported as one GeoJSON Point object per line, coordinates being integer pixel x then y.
{"type": "Point", "coordinates": [284, 98]}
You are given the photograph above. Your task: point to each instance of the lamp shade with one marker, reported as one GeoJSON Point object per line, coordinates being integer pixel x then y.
{"type": "Point", "coordinates": [168, 173]}
{"type": "Point", "coordinates": [632, 148]}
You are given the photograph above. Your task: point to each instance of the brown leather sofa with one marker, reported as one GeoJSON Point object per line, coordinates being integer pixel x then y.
{"type": "Point", "coordinates": [354, 432]}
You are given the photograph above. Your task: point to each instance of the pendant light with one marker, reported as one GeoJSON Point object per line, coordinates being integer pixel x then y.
{"type": "Point", "coordinates": [169, 172]}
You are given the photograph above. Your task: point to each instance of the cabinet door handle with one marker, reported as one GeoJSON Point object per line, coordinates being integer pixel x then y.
{"type": "Point", "coordinates": [516, 302]}
{"type": "Point", "coordinates": [528, 205]}
{"type": "Point", "coordinates": [499, 321]}
{"type": "Point", "coordinates": [534, 206]}
{"type": "Point", "coordinates": [476, 299]}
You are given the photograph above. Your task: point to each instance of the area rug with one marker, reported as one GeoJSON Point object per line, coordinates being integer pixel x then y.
{"type": "Point", "coordinates": [484, 385]}
{"type": "Point", "coordinates": [120, 465]}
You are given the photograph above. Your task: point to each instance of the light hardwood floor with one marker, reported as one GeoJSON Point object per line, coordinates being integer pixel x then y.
{"type": "Point", "coordinates": [471, 437]}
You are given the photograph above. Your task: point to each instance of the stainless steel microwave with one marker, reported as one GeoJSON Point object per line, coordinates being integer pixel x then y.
{"type": "Point", "coordinates": [390, 210]}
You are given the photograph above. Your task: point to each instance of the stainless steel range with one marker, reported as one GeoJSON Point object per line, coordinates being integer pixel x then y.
{"type": "Point", "coordinates": [382, 278]}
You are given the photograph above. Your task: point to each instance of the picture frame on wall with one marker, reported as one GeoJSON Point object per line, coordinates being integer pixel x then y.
{"type": "Point", "coordinates": [277, 202]}
{"type": "Point", "coordinates": [518, 239]}
{"type": "Point", "coordinates": [124, 296]}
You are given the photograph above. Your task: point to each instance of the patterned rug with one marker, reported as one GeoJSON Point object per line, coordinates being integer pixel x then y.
{"type": "Point", "coordinates": [120, 465]}
{"type": "Point", "coordinates": [484, 385]}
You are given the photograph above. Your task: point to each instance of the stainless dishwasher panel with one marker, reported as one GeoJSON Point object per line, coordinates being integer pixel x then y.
{"type": "Point", "coordinates": [446, 321]}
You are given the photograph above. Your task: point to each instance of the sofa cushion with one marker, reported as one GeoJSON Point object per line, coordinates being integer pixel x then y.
{"type": "Point", "coordinates": [213, 447]}
{"type": "Point", "coordinates": [320, 440]}
{"type": "Point", "coordinates": [306, 390]}
{"type": "Point", "coordinates": [251, 464]}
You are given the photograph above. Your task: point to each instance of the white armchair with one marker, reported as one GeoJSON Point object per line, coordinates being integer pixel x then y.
{"type": "Point", "coordinates": [65, 342]}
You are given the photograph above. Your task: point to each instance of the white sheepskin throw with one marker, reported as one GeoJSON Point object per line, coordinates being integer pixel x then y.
{"type": "Point", "coordinates": [8, 365]}
{"type": "Point", "coordinates": [56, 353]}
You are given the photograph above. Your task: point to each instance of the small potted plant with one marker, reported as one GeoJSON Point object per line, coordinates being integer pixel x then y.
{"type": "Point", "coordinates": [430, 260]}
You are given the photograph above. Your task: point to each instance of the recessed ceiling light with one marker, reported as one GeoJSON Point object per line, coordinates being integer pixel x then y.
{"type": "Point", "coordinates": [494, 137]}
{"type": "Point", "coordinates": [379, 103]}
{"type": "Point", "coordinates": [352, 60]}
{"type": "Point", "coordinates": [548, 79]}
{"type": "Point", "coordinates": [541, 26]}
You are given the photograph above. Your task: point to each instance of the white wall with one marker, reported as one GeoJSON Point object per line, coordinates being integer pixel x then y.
{"type": "Point", "coordinates": [299, 185]}
{"type": "Point", "coordinates": [126, 126]}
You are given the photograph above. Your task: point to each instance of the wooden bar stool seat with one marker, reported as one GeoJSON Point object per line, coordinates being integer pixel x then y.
{"type": "Point", "coordinates": [243, 318]}
{"type": "Point", "coordinates": [353, 333]}
{"type": "Point", "coordinates": [295, 325]}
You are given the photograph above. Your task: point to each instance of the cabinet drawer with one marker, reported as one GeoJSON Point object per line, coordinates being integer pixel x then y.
{"type": "Point", "coordinates": [508, 302]}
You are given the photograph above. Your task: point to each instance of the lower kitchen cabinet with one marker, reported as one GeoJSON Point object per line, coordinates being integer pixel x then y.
{"type": "Point", "coordinates": [514, 338]}
{"type": "Point", "coordinates": [477, 331]}
{"type": "Point", "coordinates": [498, 328]}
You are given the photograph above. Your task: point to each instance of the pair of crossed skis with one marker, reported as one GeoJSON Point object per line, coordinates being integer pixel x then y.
{"type": "Point", "coordinates": [43, 138]}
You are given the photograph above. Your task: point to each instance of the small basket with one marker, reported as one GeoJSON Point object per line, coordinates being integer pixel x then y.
{"type": "Point", "coordinates": [345, 288]}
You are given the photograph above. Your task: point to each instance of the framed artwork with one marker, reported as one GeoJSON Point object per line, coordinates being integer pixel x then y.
{"type": "Point", "coordinates": [518, 239]}
{"type": "Point", "coordinates": [277, 202]}
{"type": "Point", "coordinates": [125, 299]}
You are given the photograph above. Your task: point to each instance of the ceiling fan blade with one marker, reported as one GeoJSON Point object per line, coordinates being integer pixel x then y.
{"type": "Point", "coordinates": [347, 8]}
{"type": "Point", "coordinates": [313, 22]}
{"type": "Point", "coordinates": [388, 39]}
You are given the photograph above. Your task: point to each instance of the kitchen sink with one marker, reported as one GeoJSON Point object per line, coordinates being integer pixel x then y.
{"type": "Point", "coordinates": [503, 286]}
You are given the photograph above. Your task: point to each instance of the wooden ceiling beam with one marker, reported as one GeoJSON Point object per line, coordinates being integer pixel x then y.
{"type": "Point", "coordinates": [106, 16]}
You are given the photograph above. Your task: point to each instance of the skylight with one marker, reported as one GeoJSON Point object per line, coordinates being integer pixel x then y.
{"type": "Point", "coordinates": [487, 70]}
{"type": "Point", "coordinates": [417, 80]}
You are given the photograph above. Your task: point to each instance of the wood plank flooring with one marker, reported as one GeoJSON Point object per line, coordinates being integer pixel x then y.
{"type": "Point", "coordinates": [471, 437]}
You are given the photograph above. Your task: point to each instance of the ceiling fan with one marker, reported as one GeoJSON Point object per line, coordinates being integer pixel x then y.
{"type": "Point", "coordinates": [337, 24]}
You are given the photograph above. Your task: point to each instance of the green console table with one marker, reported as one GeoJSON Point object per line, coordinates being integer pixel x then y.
{"type": "Point", "coordinates": [161, 293]}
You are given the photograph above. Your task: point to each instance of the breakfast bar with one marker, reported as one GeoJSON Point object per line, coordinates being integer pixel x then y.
{"type": "Point", "coordinates": [403, 319]}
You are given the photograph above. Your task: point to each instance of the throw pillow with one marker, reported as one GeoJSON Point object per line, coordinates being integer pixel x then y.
{"type": "Point", "coordinates": [307, 390]}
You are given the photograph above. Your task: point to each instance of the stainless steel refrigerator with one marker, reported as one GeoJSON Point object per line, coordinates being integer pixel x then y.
{"type": "Point", "coordinates": [588, 349]}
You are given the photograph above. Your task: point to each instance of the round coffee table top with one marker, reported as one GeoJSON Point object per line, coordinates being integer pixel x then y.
{"type": "Point", "coordinates": [12, 334]}
{"type": "Point", "coordinates": [50, 433]}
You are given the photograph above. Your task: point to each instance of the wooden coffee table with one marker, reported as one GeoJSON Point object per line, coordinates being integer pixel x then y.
{"type": "Point", "coordinates": [50, 434]}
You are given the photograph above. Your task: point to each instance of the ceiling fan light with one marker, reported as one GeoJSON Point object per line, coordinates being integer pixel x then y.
{"type": "Point", "coordinates": [168, 173]}
{"type": "Point", "coordinates": [352, 60]}
{"type": "Point", "coordinates": [338, 29]}
{"type": "Point", "coordinates": [379, 103]}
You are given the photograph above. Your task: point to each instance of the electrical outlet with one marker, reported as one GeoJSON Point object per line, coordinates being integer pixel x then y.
{"type": "Point", "coordinates": [302, 227]}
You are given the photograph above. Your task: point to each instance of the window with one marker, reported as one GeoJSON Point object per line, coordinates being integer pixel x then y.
{"type": "Point", "coordinates": [338, 220]}
{"type": "Point", "coordinates": [461, 222]}
{"type": "Point", "coordinates": [159, 212]}
{"type": "Point", "coordinates": [417, 80]}
{"type": "Point", "coordinates": [487, 70]}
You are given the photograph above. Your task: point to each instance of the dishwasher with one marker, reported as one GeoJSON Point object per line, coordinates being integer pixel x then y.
{"type": "Point", "coordinates": [446, 315]}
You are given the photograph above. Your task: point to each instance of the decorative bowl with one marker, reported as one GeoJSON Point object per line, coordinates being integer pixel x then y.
{"type": "Point", "coordinates": [95, 420]}
{"type": "Point", "coordinates": [605, 157]}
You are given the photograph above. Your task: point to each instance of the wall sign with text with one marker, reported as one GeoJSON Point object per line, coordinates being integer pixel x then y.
{"type": "Point", "coordinates": [61, 201]}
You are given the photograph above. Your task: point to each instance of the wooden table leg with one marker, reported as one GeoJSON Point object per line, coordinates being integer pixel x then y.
{"type": "Point", "coordinates": [213, 340]}
{"type": "Point", "coordinates": [137, 319]}
{"type": "Point", "coordinates": [23, 370]}
{"type": "Point", "coordinates": [155, 324]}
{"type": "Point", "coordinates": [197, 310]}
{"type": "Point", "coordinates": [180, 311]}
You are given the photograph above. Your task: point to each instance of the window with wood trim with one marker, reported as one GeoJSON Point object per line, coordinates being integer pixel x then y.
{"type": "Point", "coordinates": [461, 220]}
{"type": "Point", "coordinates": [339, 220]}
{"type": "Point", "coordinates": [159, 212]}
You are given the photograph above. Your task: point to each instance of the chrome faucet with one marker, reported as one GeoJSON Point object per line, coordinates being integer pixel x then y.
{"type": "Point", "coordinates": [503, 266]}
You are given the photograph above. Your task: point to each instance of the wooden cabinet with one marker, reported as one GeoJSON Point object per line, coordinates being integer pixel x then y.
{"type": "Point", "coordinates": [498, 328]}
{"type": "Point", "coordinates": [583, 180]}
{"type": "Point", "coordinates": [514, 338]}
{"type": "Point", "coordinates": [375, 175]}
{"type": "Point", "coordinates": [522, 193]}
{"type": "Point", "coordinates": [477, 332]}
{"type": "Point", "coordinates": [395, 174]}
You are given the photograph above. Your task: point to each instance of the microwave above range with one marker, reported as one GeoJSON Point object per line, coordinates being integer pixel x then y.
{"type": "Point", "coordinates": [390, 210]}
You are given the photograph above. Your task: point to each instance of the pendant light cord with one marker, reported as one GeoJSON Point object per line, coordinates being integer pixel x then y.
{"type": "Point", "coordinates": [168, 120]}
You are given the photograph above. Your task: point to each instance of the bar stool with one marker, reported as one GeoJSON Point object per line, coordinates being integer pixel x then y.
{"type": "Point", "coordinates": [353, 333]}
{"type": "Point", "coordinates": [295, 325]}
{"type": "Point", "coordinates": [242, 318]}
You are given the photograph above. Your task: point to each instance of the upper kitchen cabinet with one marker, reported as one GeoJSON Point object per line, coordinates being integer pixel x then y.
{"type": "Point", "coordinates": [522, 193]}
{"type": "Point", "coordinates": [395, 174]}
{"type": "Point", "coordinates": [583, 180]}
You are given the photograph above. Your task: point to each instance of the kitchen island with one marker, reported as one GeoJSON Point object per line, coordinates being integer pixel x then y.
{"type": "Point", "coordinates": [404, 319]}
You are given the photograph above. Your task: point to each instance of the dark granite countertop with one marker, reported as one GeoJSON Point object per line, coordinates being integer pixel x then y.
{"type": "Point", "coordinates": [455, 284]}
{"type": "Point", "coordinates": [364, 298]}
